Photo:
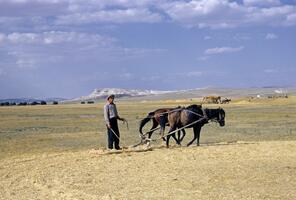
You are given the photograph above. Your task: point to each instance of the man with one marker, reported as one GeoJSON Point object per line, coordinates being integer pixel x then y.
{"type": "Point", "coordinates": [111, 116]}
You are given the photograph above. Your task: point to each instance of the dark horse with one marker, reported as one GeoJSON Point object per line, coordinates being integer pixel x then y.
{"type": "Point", "coordinates": [159, 117]}
{"type": "Point", "coordinates": [191, 114]}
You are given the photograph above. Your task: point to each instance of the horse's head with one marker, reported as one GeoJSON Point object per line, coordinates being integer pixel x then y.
{"type": "Point", "coordinates": [221, 117]}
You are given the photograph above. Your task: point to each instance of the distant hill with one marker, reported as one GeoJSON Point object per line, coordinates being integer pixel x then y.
{"type": "Point", "coordinates": [138, 94]}
{"type": "Point", "coordinates": [98, 94]}
{"type": "Point", "coordinates": [135, 94]}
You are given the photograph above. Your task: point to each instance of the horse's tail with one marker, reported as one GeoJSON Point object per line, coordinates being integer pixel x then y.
{"type": "Point", "coordinates": [145, 121]}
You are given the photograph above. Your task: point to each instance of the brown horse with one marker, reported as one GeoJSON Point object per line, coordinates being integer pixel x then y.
{"type": "Point", "coordinates": [160, 117]}
{"type": "Point", "coordinates": [212, 99]}
{"type": "Point", "coordinates": [194, 117]}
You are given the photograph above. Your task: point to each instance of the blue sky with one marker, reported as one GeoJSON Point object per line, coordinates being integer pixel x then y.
{"type": "Point", "coordinates": [66, 48]}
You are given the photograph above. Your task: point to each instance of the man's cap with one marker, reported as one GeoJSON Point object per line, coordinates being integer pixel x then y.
{"type": "Point", "coordinates": [111, 96]}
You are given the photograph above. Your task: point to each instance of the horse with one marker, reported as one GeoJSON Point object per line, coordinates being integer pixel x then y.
{"type": "Point", "coordinates": [194, 117]}
{"type": "Point", "coordinates": [159, 117]}
{"type": "Point", "coordinates": [225, 101]}
{"type": "Point", "coordinates": [212, 99]}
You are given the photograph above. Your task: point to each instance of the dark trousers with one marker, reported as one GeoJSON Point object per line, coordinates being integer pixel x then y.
{"type": "Point", "coordinates": [112, 138]}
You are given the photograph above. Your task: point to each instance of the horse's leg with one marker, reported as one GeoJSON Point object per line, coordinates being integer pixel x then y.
{"type": "Point", "coordinates": [162, 122]}
{"type": "Point", "coordinates": [184, 133]}
{"type": "Point", "coordinates": [155, 124]}
{"type": "Point", "coordinates": [177, 140]}
{"type": "Point", "coordinates": [197, 129]}
{"type": "Point", "coordinates": [194, 138]}
{"type": "Point", "coordinates": [168, 137]}
{"type": "Point", "coordinates": [179, 135]}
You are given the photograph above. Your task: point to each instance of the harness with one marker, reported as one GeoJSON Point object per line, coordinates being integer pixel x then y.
{"type": "Point", "coordinates": [205, 114]}
{"type": "Point", "coordinates": [203, 117]}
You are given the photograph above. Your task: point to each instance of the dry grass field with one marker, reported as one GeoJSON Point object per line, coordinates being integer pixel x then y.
{"type": "Point", "coordinates": [45, 153]}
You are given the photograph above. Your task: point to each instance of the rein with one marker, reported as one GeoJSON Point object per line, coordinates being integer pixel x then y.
{"type": "Point", "coordinates": [126, 122]}
{"type": "Point", "coordinates": [167, 112]}
{"type": "Point", "coordinates": [148, 139]}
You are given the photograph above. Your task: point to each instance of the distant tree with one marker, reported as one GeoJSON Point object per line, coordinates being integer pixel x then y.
{"type": "Point", "coordinates": [34, 103]}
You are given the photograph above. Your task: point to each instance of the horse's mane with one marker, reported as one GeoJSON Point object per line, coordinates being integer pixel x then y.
{"type": "Point", "coordinates": [194, 107]}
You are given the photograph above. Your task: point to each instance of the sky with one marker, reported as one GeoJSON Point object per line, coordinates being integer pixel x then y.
{"type": "Point", "coordinates": [67, 48]}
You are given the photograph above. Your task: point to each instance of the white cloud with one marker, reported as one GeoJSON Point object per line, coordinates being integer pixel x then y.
{"type": "Point", "coordinates": [190, 74]}
{"type": "Point", "coordinates": [68, 12]}
{"type": "Point", "coordinates": [203, 58]}
{"type": "Point", "coordinates": [222, 50]}
{"type": "Point", "coordinates": [227, 14]}
{"type": "Point", "coordinates": [261, 2]}
{"type": "Point", "coordinates": [207, 37]}
{"type": "Point", "coordinates": [114, 16]}
{"type": "Point", "coordinates": [291, 19]}
{"type": "Point", "coordinates": [55, 37]}
{"type": "Point", "coordinates": [214, 14]}
{"type": "Point", "coordinates": [271, 36]}
{"type": "Point", "coordinates": [202, 13]}
{"type": "Point", "coordinates": [91, 5]}
{"type": "Point", "coordinates": [194, 74]}
{"type": "Point", "coordinates": [29, 1]}
{"type": "Point", "coordinates": [270, 71]}
{"type": "Point", "coordinates": [17, 38]}
{"type": "Point", "coordinates": [26, 63]}
{"type": "Point", "coordinates": [273, 16]}
{"type": "Point", "coordinates": [34, 50]}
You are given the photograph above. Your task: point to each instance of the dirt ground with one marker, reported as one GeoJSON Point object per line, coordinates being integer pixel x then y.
{"type": "Point", "coordinates": [239, 170]}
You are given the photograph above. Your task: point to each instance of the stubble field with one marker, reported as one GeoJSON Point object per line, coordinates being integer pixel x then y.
{"type": "Point", "coordinates": [46, 153]}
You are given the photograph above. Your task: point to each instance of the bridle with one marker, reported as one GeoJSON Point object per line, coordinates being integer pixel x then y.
{"type": "Point", "coordinates": [218, 119]}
